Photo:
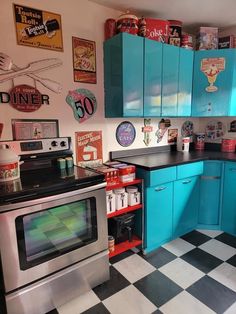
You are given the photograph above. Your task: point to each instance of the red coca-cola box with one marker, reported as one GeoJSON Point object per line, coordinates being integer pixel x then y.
{"type": "Point", "coordinates": [158, 30]}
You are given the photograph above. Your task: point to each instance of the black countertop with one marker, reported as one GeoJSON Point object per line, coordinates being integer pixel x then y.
{"type": "Point", "coordinates": [173, 158]}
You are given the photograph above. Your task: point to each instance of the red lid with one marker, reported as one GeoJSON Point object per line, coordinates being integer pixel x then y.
{"type": "Point", "coordinates": [175, 22]}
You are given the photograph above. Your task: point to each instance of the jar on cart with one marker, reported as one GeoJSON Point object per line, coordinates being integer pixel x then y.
{"type": "Point", "coordinates": [133, 195]}
{"type": "Point", "coordinates": [121, 198]}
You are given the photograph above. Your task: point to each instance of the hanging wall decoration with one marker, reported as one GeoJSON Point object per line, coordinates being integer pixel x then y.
{"type": "Point", "coordinates": [187, 129]}
{"type": "Point", "coordinates": [147, 129]}
{"type": "Point", "coordinates": [214, 130]}
{"type": "Point", "coordinates": [84, 60]}
{"type": "Point", "coordinates": [125, 133]}
{"type": "Point", "coordinates": [172, 136]}
{"type": "Point", "coordinates": [232, 126]}
{"type": "Point", "coordinates": [37, 28]}
{"type": "Point", "coordinates": [83, 102]}
{"type": "Point", "coordinates": [88, 148]}
{"type": "Point", "coordinates": [162, 128]}
{"type": "Point", "coordinates": [211, 67]}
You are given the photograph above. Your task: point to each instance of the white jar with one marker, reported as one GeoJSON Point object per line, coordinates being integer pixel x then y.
{"type": "Point", "coordinates": [133, 195]}
{"type": "Point", "coordinates": [9, 164]}
{"type": "Point", "coordinates": [111, 202]}
{"type": "Point", "coordinates": [121, 198]}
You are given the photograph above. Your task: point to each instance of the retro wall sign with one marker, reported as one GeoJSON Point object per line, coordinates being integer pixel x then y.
{"type": "Point", "coordinates": [37, 28]}
{"type": "Point", "coordinates": [162, 128]}
{"type": "Point", "coordinates": [211, 67]}
{"type": "Point", "coordinates": [147, 129]}
{"type": "Point", "coordinates": [125, 133]}
{"type": "Point", "coordinates": [83, 102]}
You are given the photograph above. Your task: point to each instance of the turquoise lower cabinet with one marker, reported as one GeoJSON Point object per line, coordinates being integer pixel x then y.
{"type": "Point", "coordinates": [228, 222]}
{"type": "Point", "coordinates": [210, 194]}
{"type": "Point", "coordinates": [185, 208]}
{"type": "Point", "coordinates": [158, 215]}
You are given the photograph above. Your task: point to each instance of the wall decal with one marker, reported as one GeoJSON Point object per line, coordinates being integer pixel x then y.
{"type": "Point", "coordinates": [83, 103]}
{"type": "Point", "coordinates": [37, 28]}
{"type": "Point", "coordinates": [187, 129]}
{"type": "Point", "coordinates": [215, 130]}
{"type": "Point", "coordinates": [211, 67]}
{"type": "Point", "coordinates": [125, 133]}
{"type": "Point", "coordinates": [88, 148]}
{"type": "Point", "coordinates": [172, 136]}
{"type": "Point", "coordinates": [162, 128]}
{"type": "Point", "coordinates": [147, 129]}
{"type": "Point", "coordinates": [1, 128]}
{"type": "Point", "coordinates": [84, 60]}
{"type": "Point", "coordinates": [232, 126]}
{"type": "Point", "coordinates": [7, 65]}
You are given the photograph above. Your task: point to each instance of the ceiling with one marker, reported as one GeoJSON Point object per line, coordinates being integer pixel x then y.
{"type": "Point", "coordinates": [193, 13]}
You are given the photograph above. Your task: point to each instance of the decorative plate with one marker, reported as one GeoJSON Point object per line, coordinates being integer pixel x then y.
{"type": "Point", "coordinates": [187, 129]}
{"type": "Point", "coordinates": [214, 130]}
{"type": "Point", "coordinates": [125, 133]}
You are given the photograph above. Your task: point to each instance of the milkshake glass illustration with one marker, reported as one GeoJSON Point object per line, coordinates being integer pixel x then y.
{"type": "Point", "coordinates": [211, 67]}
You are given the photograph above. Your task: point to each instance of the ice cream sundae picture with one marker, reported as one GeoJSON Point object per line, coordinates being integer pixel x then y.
{"type": "Point", "coordinates": [211, 67]}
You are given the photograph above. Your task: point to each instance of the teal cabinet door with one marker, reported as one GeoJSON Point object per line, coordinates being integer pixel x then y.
{"type": "Point", "coordinates": [210, 193]}
{"type": "Point", "coordinates": [170, 77]}
{"type": "Point", "coordinates": [214, 84]}
{"type": "Point", "coordinates": [185, 82]}
{"type": "Point", "coordinates": [186, 203]}
{"type": "Point", "coordinates": [228, 222]}
{"type": "Point", "coordinates": [123, 76]}
{"type": "Point", "coordinates": [152, 78]}
{"type": "Point", "coordinates": [158, 215]}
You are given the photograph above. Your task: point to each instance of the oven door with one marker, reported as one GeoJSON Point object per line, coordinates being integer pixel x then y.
{"type": "Point", "coordinates": [48, 234]}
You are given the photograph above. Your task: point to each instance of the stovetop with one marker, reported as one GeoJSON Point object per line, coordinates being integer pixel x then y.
{"type": "Point", "coordinates": [48, 181]}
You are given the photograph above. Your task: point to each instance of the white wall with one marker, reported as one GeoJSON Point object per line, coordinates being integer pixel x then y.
{"type": "Point", "coordinates": [80, 18]}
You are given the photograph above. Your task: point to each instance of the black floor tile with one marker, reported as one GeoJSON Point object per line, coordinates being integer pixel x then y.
{"type": "Point", "coordinates": [232, 261]}
{"type": "Point", "coordinates": [227, 239]}
{"type": "Point", "coordinates": [110, 287]}
{"type": "Point", "coordinates": [121, 256]}
{"type": "Point", "coordinates": [159, 258]}
{"type": "Point", "coordinates": [97, 309]}
{"type": "Point", "coordinates": [158, 288]}
{"type": "Point", "coordinates": [196, 238]}
{"type": "Point", "coordinates": [213, 294]}
{"type": "Point", "coordinates": [202, 260]}
{"type": "Point", "coordinates": [53, 312]}
{"type": "Point", "coordinates": [157, 312]}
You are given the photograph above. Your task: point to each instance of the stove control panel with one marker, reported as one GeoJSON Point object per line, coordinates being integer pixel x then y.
{"type": "Point", "coordinates": [38, 146]}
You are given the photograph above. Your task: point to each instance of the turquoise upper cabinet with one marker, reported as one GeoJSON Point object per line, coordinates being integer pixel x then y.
{"type": "Point", "coordinates": [152, 78]}
{"type": "Point", "coordinates": [228, 223]}
{"type": "Point", "coordinates": [214, 92]}
{"type": "Point", "coordinates": [185, 82]}
{"type": "Point", "coordinates": [170, 70]}
{"type": "Point", "coordinates": [123, 71]}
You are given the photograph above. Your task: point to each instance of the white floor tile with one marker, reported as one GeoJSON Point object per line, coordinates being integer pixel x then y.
{"type": "Point", "coordinates": [134, 268]}
{"type": "Point", "coordinates": [218, 249]}
{"type": "Point", "coordinates": [185, 303]}
{"type": "Point", "coordinates": [225, 274]}
{"type": "Point", "coordinates": [231, 310]}
{"type": "Point", "coordinates": [210, 233]}
{"type": "Point", "coordinates": [129, 300]}
{"type": "Point", "coordinates": [178, 246]}
{"type": "Point", "coordinates": [181, 272]}
{"type": "Point", "coordinates": [80, 304]}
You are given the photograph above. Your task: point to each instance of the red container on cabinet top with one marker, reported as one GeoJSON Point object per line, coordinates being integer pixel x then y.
{"type": "Point", "coordinates": [156, 29]}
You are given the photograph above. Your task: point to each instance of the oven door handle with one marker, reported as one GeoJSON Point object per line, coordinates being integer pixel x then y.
{"type": "Point", "coordinates": [40, 200]}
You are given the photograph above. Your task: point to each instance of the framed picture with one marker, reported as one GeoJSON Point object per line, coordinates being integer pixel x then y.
{"type": "Point", "coordinates": [84, 60]}
{"type": "Point", "coordinates": [37, 28]}
{"type": "Point", "coordinates": [24, 129]}
{"type": "Point", "coordinates": [125, 133]}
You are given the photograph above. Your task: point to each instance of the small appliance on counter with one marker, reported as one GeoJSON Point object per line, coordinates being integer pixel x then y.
{"type": "Point", "coordinates": [183, 144]}
{"type": "Point", "coordinates": [121, 227]}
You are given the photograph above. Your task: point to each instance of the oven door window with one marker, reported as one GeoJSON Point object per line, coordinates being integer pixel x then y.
{"type": "Point", "coordinates": [43, 235]}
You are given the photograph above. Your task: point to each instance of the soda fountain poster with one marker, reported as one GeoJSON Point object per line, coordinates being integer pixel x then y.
{"type": "Point", "coordinates": [37, 28]}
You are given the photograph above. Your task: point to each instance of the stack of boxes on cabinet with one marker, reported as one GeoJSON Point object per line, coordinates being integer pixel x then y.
{"type": "Point", "coordinates": [123, 198]}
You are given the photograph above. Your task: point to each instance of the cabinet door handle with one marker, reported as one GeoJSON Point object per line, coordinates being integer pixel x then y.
{"type": "Point", "coordinates": [186, 181]}
{"type": "Point", "coordinates": [210, 177]}
{"type": "Point", "coordinates": [232, 169]}
{"type": "Point", "coordinates": [160, 188]}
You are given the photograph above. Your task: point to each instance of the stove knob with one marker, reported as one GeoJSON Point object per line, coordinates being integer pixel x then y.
{"type": "Point", "coordinates": [54, 143]}
{"type": "Point", "coordinates": [63, 143]}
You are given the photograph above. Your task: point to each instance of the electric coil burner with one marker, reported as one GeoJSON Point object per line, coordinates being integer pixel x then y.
{"type": "Point", "coordinates": [53, 229]}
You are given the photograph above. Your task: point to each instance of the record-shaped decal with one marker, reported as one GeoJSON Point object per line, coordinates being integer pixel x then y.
{"type": "Point", "coordinates": [232, 126]}
{"type": "Point", "coordinates": [125, 133]}
{"type": "Point", "coordinates": [214, 130]}
{"type": "Point", "coordinates": [187, 129]}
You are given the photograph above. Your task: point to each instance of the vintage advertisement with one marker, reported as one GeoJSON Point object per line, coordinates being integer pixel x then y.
{"type": "Point", "coordinates": [84, 60]}
{"type": "Point", "coordinates": [172, 136]}
{"type": "Point", "coordinates": [36, 28]}
{"type": "Point", "coordinates": [88, 148]}
{"type": "Point", "coordinates": [211, 67]}
{"type": "Point", "coordinates": [33, 129]}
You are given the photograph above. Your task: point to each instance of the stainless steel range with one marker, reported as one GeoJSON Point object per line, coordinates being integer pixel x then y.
{"type": "Point", "coordinates": [53, 229]}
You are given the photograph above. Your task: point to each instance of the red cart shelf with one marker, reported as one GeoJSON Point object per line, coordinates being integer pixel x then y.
{"type": "Point", "coordinates": [122, 184]}
{"type": "Point", "coordinates": [124, 210]}
{"type": "Point", "coordinates": [125, 246]}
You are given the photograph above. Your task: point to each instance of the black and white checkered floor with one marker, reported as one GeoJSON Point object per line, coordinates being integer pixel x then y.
{"type": "Point", "coordinates": [194, 274]}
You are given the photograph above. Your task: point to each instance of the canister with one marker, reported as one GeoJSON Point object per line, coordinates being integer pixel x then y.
{"type": "Point", "coordinates": [154, 29]}
{"type": "Point", "coordinates": [183, 144]}
{"type": "Point", "coordinates": [133, 195]}
{"type": "Point", "coordinates": [199, 141]}
{"type": "Point", "coordinates": [121, 198]}
{"type": "Point", "coordinates": [228, 145]}
{"type": "Point", "coordinates": [110, 28]}
{"type": "Point", "coordinates": [187, 41]}
{"type": "Point", "coordinates": [111, 244]}
{"type": "Point", "coordinates": [9, 164]}
{"type": "Point", "coordinates": [127, 23]}
{"type": "Point", "coordinates": [111, 203]}
{"type": "Point", "coordinates": [175, 32]}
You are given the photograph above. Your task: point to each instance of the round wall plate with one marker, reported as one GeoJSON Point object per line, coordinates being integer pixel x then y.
{"type": "Point", "coordinates": [125, 133]}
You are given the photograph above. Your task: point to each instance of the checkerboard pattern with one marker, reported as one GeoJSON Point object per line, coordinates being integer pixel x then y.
{"type": "Point", "coordinates": [194, 274]}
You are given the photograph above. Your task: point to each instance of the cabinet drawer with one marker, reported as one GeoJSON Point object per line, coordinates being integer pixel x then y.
{"type": "Point", "coordinates": [161, 176]}
{"type": "Point", "coordinates": [189, 170]}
